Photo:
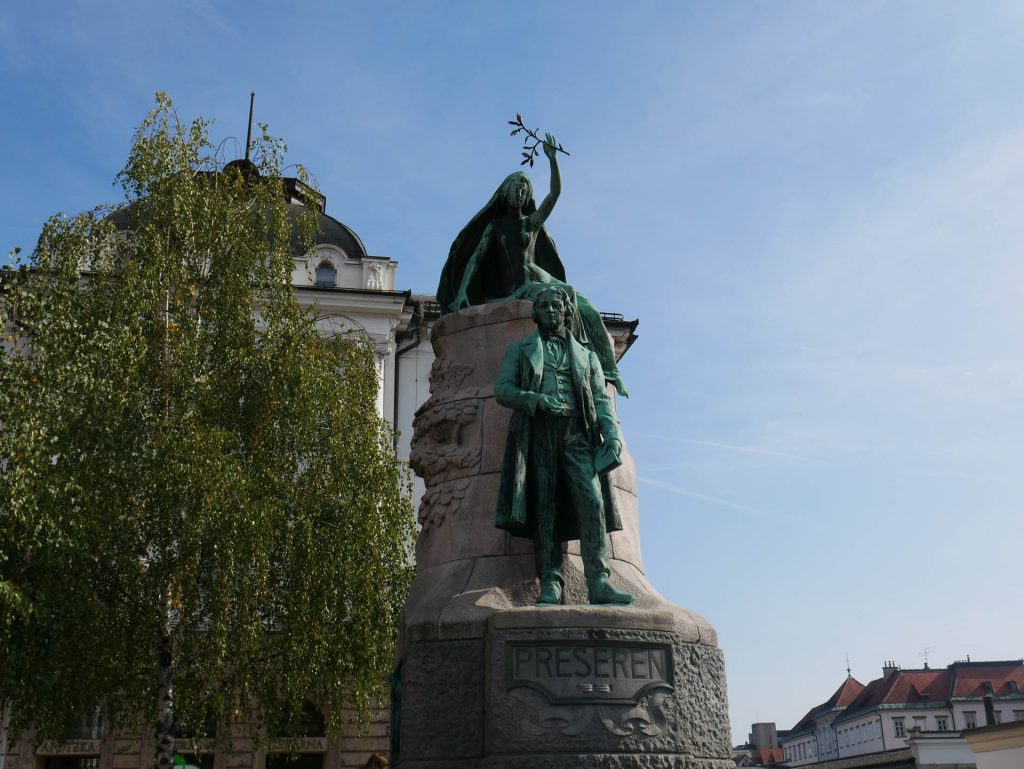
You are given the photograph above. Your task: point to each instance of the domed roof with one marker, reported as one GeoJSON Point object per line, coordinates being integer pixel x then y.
{"type": "Point", "coordinates": [329, 232]}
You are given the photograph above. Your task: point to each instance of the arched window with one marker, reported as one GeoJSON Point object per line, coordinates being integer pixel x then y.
{"type": "Point", "coordinates": [326, 275]}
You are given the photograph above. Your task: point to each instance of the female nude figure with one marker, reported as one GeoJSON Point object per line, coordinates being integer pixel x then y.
{"type": "Point", "coordinates": [505, 252]}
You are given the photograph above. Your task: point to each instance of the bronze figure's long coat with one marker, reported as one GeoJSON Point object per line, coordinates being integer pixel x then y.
{"type": "Point", "coordinates": [519, 388]}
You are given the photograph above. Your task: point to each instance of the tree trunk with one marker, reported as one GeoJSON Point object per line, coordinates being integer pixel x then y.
{"type": "Point", "coordinates": [5, 723]}
{"type": "Point", "coordinates": [165, 713]}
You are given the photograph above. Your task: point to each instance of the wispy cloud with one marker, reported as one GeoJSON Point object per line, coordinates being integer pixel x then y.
{"type": "Point", "coordinates": [728, 446]}
{"type": "Point", "coordinates": [208, 13]}
{"type": "Point", "coordinates": [683, 492]}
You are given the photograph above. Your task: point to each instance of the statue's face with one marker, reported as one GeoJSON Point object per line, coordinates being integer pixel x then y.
{"type": "Point", "coordinates": [550, 313]}
{"type": "Point", "coordinates": [522, 192]}
{"type": "Point", "coordinates": [518, 191]}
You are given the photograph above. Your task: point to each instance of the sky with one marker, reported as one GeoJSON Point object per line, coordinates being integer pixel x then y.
{"type": "Point", "coordinates": [814, 209]}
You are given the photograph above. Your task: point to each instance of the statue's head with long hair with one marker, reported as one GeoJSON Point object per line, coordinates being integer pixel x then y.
{"type": "Point", "coordinates": [516, 190]}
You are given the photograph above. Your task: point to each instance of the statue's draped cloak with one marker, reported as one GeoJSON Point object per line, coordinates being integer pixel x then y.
{"type": "Point", "coordinates": [545, 254]}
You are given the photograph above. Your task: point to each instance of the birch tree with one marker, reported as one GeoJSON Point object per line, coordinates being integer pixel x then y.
{"type": "Point", "coordinates": [203, 519]}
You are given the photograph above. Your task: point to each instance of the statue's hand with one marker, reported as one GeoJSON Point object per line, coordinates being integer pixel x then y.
{"type": "Point", "coordinates": [460, 301]}
{"type": "Point", "coordinates": [550, 147]}
{"type": "Point", "coordinates": [548, 404]}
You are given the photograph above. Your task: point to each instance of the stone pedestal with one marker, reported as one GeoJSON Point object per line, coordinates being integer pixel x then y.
{"type": "Point", "coordinates": [488, 679]}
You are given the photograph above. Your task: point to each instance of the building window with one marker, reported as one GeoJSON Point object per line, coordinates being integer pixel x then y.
{"type": "Point", "coordinates": [899, 728]}
{"type": "Point", "coordinates": [1018, 715]}
{"type": "Point", "coordinates": [1013, 687]}
{"type": "Point", "coordinates": [308, 722]}
{"type": "Point", "coordinates": [941, 723]}
{"type": "Point", "coordinates": [88, 727]}
{"type": "Point", "coordinates": [970, 719]}
{"type": "Point", "coordinates": [199, 729]}
{"type": "Point", "coordinates": [72, 762]}
{"type": "Point", "coordinates": [326, 275]}
{"type": "Point", "coordinates": [987, 686]}
{"type": "Point", "coordinates": [999, 716]}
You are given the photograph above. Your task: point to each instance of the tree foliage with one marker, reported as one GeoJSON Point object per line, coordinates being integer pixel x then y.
{"type": "Point", "coordinates": [196, 489]}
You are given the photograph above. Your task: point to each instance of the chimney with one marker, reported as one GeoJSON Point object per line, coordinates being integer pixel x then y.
{"type": "Point", "coordinates": [889, 668]}
{"type": "Point", "coordinates": [764, 735]}
{"type": "Point", "coordinates": [990, 711]}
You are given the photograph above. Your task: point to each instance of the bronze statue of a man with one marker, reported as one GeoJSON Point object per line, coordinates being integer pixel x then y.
{"type": "Point", "coordinates": [562, 433]}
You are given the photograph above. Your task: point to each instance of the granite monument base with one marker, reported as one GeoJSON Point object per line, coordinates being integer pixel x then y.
{"type": "Point", "coordinates": [567, 686]}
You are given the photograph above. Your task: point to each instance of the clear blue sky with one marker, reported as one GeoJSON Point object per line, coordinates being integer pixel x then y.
{"type": "Point", "coordinates": [815, 209]}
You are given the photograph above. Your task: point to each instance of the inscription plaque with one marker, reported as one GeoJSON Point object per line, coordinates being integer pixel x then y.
{"type": "Point", "coordinates": [578, 672]}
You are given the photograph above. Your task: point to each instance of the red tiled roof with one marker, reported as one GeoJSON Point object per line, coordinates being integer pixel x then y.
{"type": "Point", "coordinates": [765, 756]}
{"type": "Point", "coordinates": [841, 697]}
{"type": "Point", "coordinates": [969, 678]}
{"type": "Point", "coordinates": [846, 693]}
{"type": "Point", "coordinates": [903, 686]}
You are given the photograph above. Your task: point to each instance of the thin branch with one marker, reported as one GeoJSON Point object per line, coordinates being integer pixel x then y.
{"type": "Point", "coordinates": [531, 151]}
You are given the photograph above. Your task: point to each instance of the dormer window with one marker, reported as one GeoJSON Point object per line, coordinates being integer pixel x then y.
{"type": "Point", "coordinates": [326, 275]}
{"type": "Point", "coordinates": [987, 686]}
{"type": "Point", "coordinates": [1013, 687]}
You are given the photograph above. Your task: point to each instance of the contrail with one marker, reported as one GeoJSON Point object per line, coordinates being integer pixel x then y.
{"type": "Point", "coordinates": [730, 446]}
{"type": "Point", "coordinates": [704, 498]}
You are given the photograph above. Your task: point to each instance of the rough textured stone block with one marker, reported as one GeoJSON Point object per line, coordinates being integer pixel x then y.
{"type": "Point", "coordinates": [442, 700]}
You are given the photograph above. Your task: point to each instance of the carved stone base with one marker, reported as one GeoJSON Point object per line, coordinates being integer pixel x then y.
{"type": "Point", "coordinates": [566, 687]}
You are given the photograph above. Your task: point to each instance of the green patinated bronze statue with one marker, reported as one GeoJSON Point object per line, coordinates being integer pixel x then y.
{"type": "Point", "coordinates": [505, 252]}
{"type": "Point", "coordinates": [562, 440]}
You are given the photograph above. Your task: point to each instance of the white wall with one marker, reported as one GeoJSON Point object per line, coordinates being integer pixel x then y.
{"type": "Point", "coordinates": [941, 751]}
{"type": "Point", "coordinates": [1012, 758]}
{"type": "Point", "coordinates": [413, 389]}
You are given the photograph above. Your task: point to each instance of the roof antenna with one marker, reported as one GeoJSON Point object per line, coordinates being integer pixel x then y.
{"type": "Point", "coordinates": [248, 136]}
{"type": "Point", "coordinates": [924, 656]}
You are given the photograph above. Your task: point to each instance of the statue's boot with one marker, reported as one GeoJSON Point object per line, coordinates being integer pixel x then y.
{"type": "Point", "coordinates": [550, 592]}
{"type": "Point", "coordinates": [603, 593]}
